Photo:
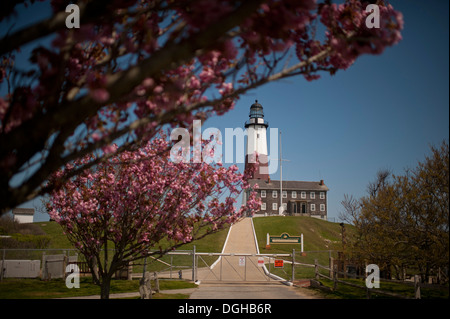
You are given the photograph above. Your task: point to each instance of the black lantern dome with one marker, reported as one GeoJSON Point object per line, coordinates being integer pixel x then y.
{"type": "Point", "coordinates": [256, 110]}
{"type": "Point", "coordinates": [256, 115]}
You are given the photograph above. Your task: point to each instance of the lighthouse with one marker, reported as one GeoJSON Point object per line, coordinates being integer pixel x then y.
{"type": "Point", "coordinates": [278, 197]}
{"type": "Point", "coordinates": [256, 151]}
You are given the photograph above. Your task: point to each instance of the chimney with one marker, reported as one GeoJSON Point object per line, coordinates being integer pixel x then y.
{"type": "Point", "coordinates": [268, 179]}
{"type": "Point", "coordinates": [321, 182]}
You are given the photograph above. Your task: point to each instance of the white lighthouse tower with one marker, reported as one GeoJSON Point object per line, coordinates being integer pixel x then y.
{"type": "Point", "coordinates": [257, 142]}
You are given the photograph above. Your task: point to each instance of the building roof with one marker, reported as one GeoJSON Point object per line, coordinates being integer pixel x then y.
{"type": "Point", "coordinates": [23, 211]}
{"type": "Point", "coordinates": [290, 185]}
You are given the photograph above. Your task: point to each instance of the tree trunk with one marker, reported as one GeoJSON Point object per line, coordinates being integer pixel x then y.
{"type": "Point", "coordinates": [105, 287]}
{"type": "Point", "coordinates": [107, 275]}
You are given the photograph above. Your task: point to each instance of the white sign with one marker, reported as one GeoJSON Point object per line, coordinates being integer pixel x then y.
{"type": "Point", "coordinates": [261, 262]}
{"type": "Point", "coordinates": [241, 261]}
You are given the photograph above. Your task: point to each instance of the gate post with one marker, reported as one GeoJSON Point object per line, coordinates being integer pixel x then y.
{"type": "Point", "coordinates": [417, 287]}
{"type": "Point", "coordinates": [316, 269]}
{"type": "Point", "coordinates": [2, 270]}
{"type": "Point", "coordinates": [293, 265]}
{"type": "Point", "coordinates": [193, 264]}
{"type": "Point", "coordinates": [221, 262]}
{"type": "Point", "coordinates": [245, 268]}
{"type": "Point", "coordinates": [269, 268]}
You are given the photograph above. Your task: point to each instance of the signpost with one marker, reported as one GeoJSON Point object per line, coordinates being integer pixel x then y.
{"type": "Point", "coordinates": [279, 263]}
{"type": "Point", "coordinates": [284, 238]}
{"type": "Point", "coordinates": [260, 261]}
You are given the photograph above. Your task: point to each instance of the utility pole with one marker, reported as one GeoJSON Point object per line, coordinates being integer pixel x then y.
{"type": "Point", "coordinates": [281, 210]}
{"type": "Point", "coordinates": [281, 177]}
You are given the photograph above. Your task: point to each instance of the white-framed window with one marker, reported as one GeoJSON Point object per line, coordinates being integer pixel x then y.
{"type": "Point", "coordinates": [303, 195]}
{"type": "Point", "coordinates": [274, 206]}
{"type": "Point", "coordinates": [284, 194]}
{"type": "Point", "coordinates": [274, 194]}
{"type": "Point", "coordinates": [313, 207]}
{"type": "Point", "coordinates": [294, 194]}
{"type": "Point", "coordinates": [312, 195]}
{"type": "Point", "coordinates": [263, 206]}
{"type": "Point", "coordinates": [322, 195]}
{"type": "Point", "coordinates": [322, 207]}
{"type": "Point", "coordinates": [263, 194]}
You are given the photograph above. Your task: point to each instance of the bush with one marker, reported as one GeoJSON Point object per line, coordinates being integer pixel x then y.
{"type": "Point", "coordinates": [23, 236]}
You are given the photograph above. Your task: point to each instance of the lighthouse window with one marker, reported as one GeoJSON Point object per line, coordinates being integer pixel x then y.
{"type": "Point", "coordinates": [257, 135]}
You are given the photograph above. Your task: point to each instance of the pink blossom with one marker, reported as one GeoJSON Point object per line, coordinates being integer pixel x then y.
{"type": "Point", "coordinates": [109, 148]}
{"type": "Point", "coordinates": [96, 137]}
{"type": "Point", "coordinates": [143, 197]}
{"type": "Point", "coordinates": [158, 89]}
{"type": "Point", "coordinates": [100, 95]}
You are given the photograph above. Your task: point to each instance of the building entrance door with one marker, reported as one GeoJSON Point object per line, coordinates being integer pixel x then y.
{"type": "Point", "coordinates": [303, 208]}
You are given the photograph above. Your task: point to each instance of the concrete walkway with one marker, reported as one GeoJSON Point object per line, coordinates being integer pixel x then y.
{"type": "Point", "coordinates": [274, 290]}
{"type": "Point", "coordinates": [236, 268]}
{"type": "Point", "coordinates": [232, 278]}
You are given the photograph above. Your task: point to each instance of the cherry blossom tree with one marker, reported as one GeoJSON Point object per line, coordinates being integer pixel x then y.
{"type": "Point", "coordinates": [135, 66]}
{"type": "Point", "coordinates": [117, 211]}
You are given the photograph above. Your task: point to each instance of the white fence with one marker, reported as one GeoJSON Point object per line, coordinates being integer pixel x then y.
{"type": "Point", "coordinates": [35, 263]}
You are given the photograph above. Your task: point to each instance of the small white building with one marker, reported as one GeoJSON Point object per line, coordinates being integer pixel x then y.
{"type": "Point", "coordinates": [23, 215]}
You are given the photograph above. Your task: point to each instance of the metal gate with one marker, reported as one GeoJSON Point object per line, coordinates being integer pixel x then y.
{"type": "Point", "coordinates": [236, 267]}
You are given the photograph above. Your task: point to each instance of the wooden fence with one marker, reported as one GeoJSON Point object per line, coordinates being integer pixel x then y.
{"type": "Point", "coordinates": [334, 277]}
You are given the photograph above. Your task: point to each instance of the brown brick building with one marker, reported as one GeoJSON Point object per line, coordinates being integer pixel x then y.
{"type": "Point", "coordinates": [299, 198]}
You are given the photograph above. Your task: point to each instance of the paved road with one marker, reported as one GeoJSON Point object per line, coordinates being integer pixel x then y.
{"type": "Point", "coordinates": [247, 291]}
{"type": "Point", "coordinates": [230, 279]}
{"type": "Point", "coordinates": [235, 268]}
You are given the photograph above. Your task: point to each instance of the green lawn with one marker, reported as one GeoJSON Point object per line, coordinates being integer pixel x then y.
{"type": "Point", "coordinates": [12, 288]}
{"type": "Point", "coordinates": [59, 240]}
{"type": "Point", "coordinates": [317, 234]}
{"type": "Point", "coordinates": [210, 243]}
{"type": "Point", "coordinates": [38, 289]}
{"type": "Point", "coordinates": [321, 241]}
{"type": "Point", "coordinates": [348, 292]}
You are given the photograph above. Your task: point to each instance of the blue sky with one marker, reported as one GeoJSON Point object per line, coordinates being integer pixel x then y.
{"type": "Point", "coordinates": [383, 112]}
